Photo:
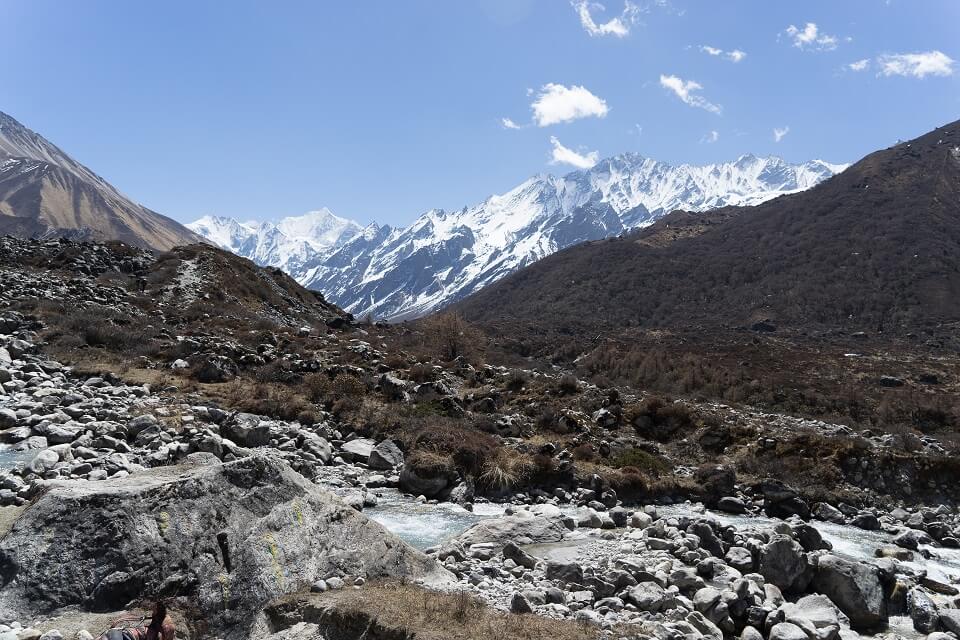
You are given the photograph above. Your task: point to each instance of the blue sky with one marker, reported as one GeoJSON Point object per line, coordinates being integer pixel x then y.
{"type": "Point", "coordinates": [380, 110]}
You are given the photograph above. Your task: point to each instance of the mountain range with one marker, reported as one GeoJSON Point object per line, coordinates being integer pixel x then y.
{"type": "Point", "coordinates": [46, 193]}
{"type": "Point", "coordinates": [442, 257]}
{"type": "Point", "coordinates": [873, 249]}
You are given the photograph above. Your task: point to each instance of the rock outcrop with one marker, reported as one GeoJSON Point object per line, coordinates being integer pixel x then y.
{"type": "Point", "coordinates": [229, 536]}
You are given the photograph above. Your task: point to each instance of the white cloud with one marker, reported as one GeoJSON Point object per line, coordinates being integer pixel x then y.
{"type": "Point", "coordinates": [710, 137]}
{"type": "Point", "coordinates": [507, 123]}
{"type": "Point", "coordinates": [564, 155]}
{"type": "Point", "coordinates": [917, 65]}
{"type": "Point", "coordinates": [733, 56]}
{"type": "Point", "coordinates": [736, 55]}
{"type": "Point", "coordinates": [810, 37]}
{"type": "Point", "coordinates": [556, 103]}
{"type": "Point", "coordinates": [779, 133]}
{"type": "Point", "coordinates": [859, 65]}
{"type": "Point", "coordinates": [618, 27]}
{"type": "Point", "coordinates": [686, 91]}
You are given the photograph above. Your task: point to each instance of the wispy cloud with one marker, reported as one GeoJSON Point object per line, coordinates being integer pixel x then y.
{"type": "Point", "coordinates": [507, 123]}
{"type": "Point", "coordinates": [779, 133]}
{"type": "Point", "coordinates": [733, 56]}
{"type": "Point", "coordinates": [916, 65]}
{"type": "Point", "coordinates": [859, 65]}
{"type": "Point", "coordinates": [811, 38]}
{"type": "Point", "coordinates": [565, 155]}
{"type": "Point", "coordinates": [710, 137]}
{"type": "Point", "coordinates": [619, 26]}
{"type": "Point", "coordinates": [556, 103]}
{"type": "Point", "coordinates": [687, 90]}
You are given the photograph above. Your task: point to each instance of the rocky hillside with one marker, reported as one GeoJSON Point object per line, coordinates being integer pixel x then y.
{"type": "Point", "coordinates": [444, 256]}
{"type": "Point", "coordinates": [194, 429]}
{"type": "Point", "coordinates": [872, 249]}
{"type": "Point", "coordinates": [44, 193]}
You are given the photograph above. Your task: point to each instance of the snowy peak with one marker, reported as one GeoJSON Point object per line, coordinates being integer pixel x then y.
{"type": "Point", "coordinates": [444, 256]}
{"type": "Point", "coordinates": [286, 243]}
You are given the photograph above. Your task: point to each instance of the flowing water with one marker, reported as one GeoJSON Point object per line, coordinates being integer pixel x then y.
{"type": "Point", "coordinates": [427, 525]}
{"type": "Point", "coordinates": [10, 458]}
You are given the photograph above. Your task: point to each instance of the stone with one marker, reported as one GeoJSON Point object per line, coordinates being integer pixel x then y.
{"type": "Point", "coordinates": [521, 527]}
{"type": "Point", "coordinates": [730, 504]}
{"type": "Point", "coordinates": [816, 615]}
{"type": "Point", "coordinates": [420, 483]}
{"type": "Point", "coordinates": [923, 611]}
{"type": "Point", "coordinates": [866, 520]}
{"type": "Point", "coordinates": [912, 539]}
{"type": "Point", "coordinates": [357, 450]}
{"type": "Point", "coordinates": [519, 604]}
{"type": "Point", "coordinates": [518, 555]}
{"type": "Point", "coordinates": [787, 631]}
{"type": "Point", "coordinates": [385, 456]}
{"type": "Point", "coordinates": [43, 461]}
{"type": "Point", "coordinates": [252, 525]}
{"type": "Point", "coordinates": [566, 572]}
{"type": "Point", "coordinates": [855, 588]}
{"type": "Point", "coordinates": [649, 596]}
{"type": "Point", "coordinates": [950, 620]}
{"type": "Point", "coordinates": [784, 564]}
{"type": "Point", "coordinates": [8, 419]}
{"type": "Point", "coordinates": [247, 430]}
{"type": "Point", "coordinates": [740, 559]}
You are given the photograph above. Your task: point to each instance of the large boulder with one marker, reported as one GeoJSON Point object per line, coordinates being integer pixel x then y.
{"type": "Point", "coordinates": [522, 527]}
{"type": "Point", "coordinates": [228, 536]}
{"type": "Point", "coordinates": [855, 587]}
{"type": "Point", "coordinates": [923, 611]}
{"type": "Point", "coordinates": [816, 615]}
{"type": "Point", "coordinates": [357, 450]}
{"type": "Point", "coordinates": [385, 456]}
{"type": "Point", "coordinates": [247, 430]}
{"type": "Point", "coordinates": [783, 563]}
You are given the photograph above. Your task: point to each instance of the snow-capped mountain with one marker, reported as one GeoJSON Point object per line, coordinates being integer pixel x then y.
{"type": "Point", "coordinates": [286, 244]}
{"type": "Point", "coordinates": [398, 273]}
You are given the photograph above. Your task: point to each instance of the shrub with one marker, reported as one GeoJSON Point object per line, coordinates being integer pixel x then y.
{"type": "Point", "coordinates": [449, 336]}
{"type": "Point", "coordinates": [641, 460]}
{"type": "Point", "coordinates": [506, 469]}
{"type": "Point", "coordinates": [517, 380]}
{"type": "Point", "coordinates": [568, 384]}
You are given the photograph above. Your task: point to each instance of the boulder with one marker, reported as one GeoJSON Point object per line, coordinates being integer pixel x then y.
{"type": "Point", "coordinates": [247, 430]}
{"type": "Point", "coordinates": [649, 596]}
{"type": "Point", "coordinates": [787, 631]}
{"type": "Point", "coordinates": [521, 527]}
{"type": "Point", "coordinates": [816, 615]}
{"type": "Point", "coordinates": [950, 620]}
{"type": "Point", "coordinates": [855, 587]}
{"type": "Point", "coordinates": [518, 555]}
{"type": "Point", "coordinates": [783, 563]}
{"type": "Point", "coordinates": [421, 483]}
{"type": "Point", "coordinates": [230, 537]}
{"type": "Point", "coordinates": [923, 611]}
{"type": "Point", "coordinates": [384, 456]}
{"type": "Point", "coordinates": [566, 572]}
{"type": "Point", "coordinates": [357, 450]}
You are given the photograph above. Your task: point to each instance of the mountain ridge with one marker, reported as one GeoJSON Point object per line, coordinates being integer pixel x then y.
{"type": "Point", "coordinates": [443, 256]}
{"type": "Point", "coordinates": [44, 193]}
{"type": "Point", "coordinates": [871, 249]}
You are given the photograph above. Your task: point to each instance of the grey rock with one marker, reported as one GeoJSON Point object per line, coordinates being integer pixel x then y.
{"type": "Point", "coordinates": [784, 564]}
{"type": "Point", "coordinates": [518, 555]}
{"type": "Point", "coordinates": [386, 455]}
{"type": "Point", "coordinates": [522, 527]}
{"type": "Point", "coordinates": [923, 611]}
{"type": "Point", "coordinates": [787, 631]}
{"type": "Point", "coordinates": [854, 587]}
{"type": "Point", "coordinates": [357, 450]}
{"type": "Point", "coordinates": [950, 620]}
{"type": "Point", "coordinates": [253, 525]}
{"type": "Point", "coordinates": [520, 604]}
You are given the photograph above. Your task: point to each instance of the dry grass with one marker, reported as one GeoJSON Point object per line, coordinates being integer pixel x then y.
{"type": "Point", "coordinates": [506, 469]}
{"type": "Point", "coordinates": [430, 615]}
